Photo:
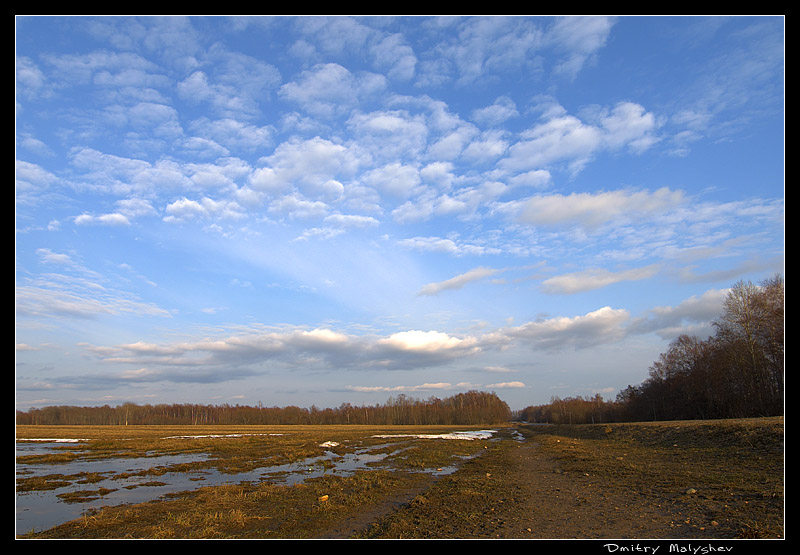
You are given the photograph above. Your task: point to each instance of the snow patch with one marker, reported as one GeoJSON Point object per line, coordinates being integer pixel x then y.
{"type": "Point", "coordinates": [218, 435]}
{"type": "Point", "coordinates": [469, 436]}
{"type": "Point", "coordinates": [53, 440]}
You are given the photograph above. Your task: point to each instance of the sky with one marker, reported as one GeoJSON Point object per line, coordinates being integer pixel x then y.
{"type": "Point", "coordinates": [313, 211]}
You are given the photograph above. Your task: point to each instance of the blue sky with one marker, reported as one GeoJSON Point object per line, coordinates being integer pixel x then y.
{"type": "Point", "coordinates": [311, 211]}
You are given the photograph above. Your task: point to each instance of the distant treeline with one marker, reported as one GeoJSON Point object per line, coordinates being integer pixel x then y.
{"type": "Point", "coordinates": [470, 408]}
{"type": "Point", "coordinates": [737, 373]}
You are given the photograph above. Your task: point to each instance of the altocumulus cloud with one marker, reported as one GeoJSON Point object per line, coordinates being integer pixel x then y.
{"type": "Point", "coordinates": [360, 196]}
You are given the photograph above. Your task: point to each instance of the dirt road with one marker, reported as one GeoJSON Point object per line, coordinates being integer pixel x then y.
{"type": "Point", "coordinates": [567, 489]}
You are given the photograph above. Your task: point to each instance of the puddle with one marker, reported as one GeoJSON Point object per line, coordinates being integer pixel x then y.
{"type": "Point", "coordinates": [40, 510]}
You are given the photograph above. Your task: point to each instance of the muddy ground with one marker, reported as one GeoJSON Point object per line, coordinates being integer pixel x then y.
{"type": "Point", "coordinates": [681, 481]}
{"type": "Point", "coordinates": [702, 480]}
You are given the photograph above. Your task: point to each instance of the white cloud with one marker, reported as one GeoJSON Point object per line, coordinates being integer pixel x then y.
{"type": "Point", "coordinates": [415, 340]}
{"type": "Point", "coordinates": [135, 207]}
{"type": "Point", "coordinates": [417, 210]}
{"type": "Point", "coordinates": [390, 135]}
{"type": "Point", "coordinates": [490, 145]}
{"type": "Point", "coordinates": [337, 224]}
{"type": "Point", "coordinates": [330, 89]}
{"type": "Point", "coordinates": [538, 179]}
{"type": "Point", "coordinates": [99, 66]}
{"type": "Point", "coordinates": [32, 177]}
{"type": "Point", "coordinates": [395, 180]}
{"type": "Point", "coordinates": [458, 281]}
{"type": "Point", "coordinates": [578, 39]}
{"type": "Point", "coordinates": [693, 315]}
{"type": "Point", "coordinates": [440, 174]}
{"type": "Point", "coordinates": [444, 245]}
{"type": "Point", "coordinates": [503, 109]}
{"type": "Point", "coordinates": [341, 36]}
{"type": "Point", "coordinates": [335, 35]}
{"type": "Point", "coordinates": [105, 219]}
{"type": "Point", "coordinates": [498, 369]}
{"type": "Point", "coordinates": [485, 46]}
{"type": "Point", "coordinates": [452, 144]}
{"type": "Point", "coordinates": [596, 278]}
{"type": "Point", "coordinates": [312, 166]}
{"type": "Point", "coordinates": [319, 232]}
{"type": "Point", "coordinates": [393, 54]}
{"type": "Point", "coordinates": [595, 328]}
{"type": "Point", "coordinates": [591, 210]}
{"type": "Point", "coordinates": [354, 173]}
{"type": "Point", "coordinates": [628, 124]}
{"type": "Point", "coordinates": [223, 98]}
{"type": "Point", "coordinates": [250, 77]}
{"type": "Point", "coordinates": [231, 134]}
{"type": "Point", "coordinates": [61, 296]}
{"type": "Point", "coordinates": [505, 385]}
{"type": "Point", "coordinates": [123, 176]}
{"type": "Point", "coordinates": [295, 206]}
{"type": "Point", "coordinates": [185, 209]}
{"type": "Point", "coordinates": [296, 347]}
{"type": "Point", "coordinates": [563, 138]}
{"type": "Point", "coordinates": [350, 221]}
{"type": "Point", "coordinates": [30, 79]}
{"type": "Point", "coordinates": [224, 174]}
{"type": "Point", "coordinates": [463, 203]}
{"type": "Point", "coordinates": [34, 145]}
{"type": "Point", "coordinates": [50, 257]}
{"type": "Point", "coordinates": [403, 388]}
{"type": "Point", "coordinates": [156, 119]}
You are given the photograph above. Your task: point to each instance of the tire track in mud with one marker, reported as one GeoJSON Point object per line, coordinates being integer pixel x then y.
{"type": "Point", "coordinates": [361, 522]}
{"type": "Point", "coordinates": [364, 519]}
{"type": "Point", "coordinates": [517, 491]}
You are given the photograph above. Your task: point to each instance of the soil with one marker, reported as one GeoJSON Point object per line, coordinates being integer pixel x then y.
{"type": "Point", "coordinates": [702, 480]}
{"type": "Point", "coordinates": [552, 487]}
{"type": "Point", "coordinates": [539, 502]}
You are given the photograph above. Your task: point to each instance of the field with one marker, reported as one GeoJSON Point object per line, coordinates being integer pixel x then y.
{"type": "Point", "coordinates": [669, 480]}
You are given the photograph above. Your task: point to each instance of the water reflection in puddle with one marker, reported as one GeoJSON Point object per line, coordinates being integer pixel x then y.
{"type": "Point", "coordinates": [40, 510]}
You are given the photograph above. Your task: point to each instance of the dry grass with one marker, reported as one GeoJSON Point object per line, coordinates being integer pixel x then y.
{"type": "Point", "coordinates": [246, 510]}
{"type": "Point", "coordinates": [721, 479]}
